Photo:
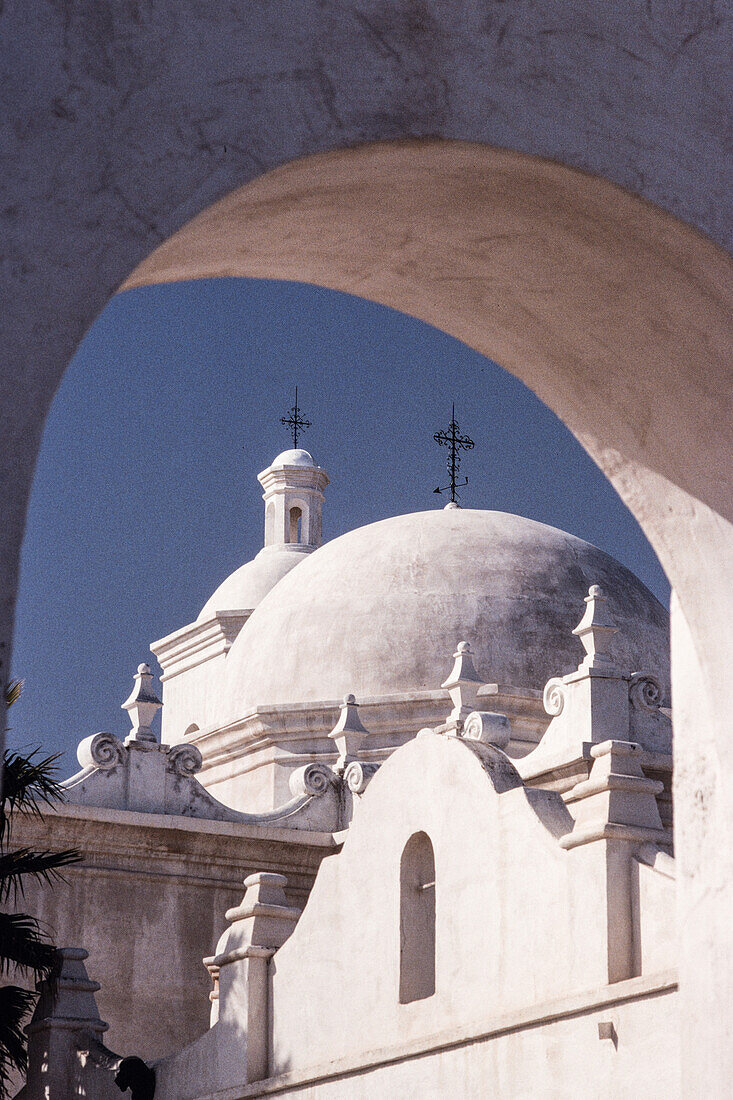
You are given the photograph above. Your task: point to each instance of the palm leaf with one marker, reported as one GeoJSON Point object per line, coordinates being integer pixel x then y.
{"type": "Point", "coordinates": [15, 1004]}
{"type": "Point", "coordinates": [29, 779]}
{"type": "Point", "coordinates": [42, 866]}
{"type": "Point", "coordinates": [12, 691]}
{"type": "Point", "coordinates": [28, 784]}
{"type": "Point", "coordinates": [23, 945]}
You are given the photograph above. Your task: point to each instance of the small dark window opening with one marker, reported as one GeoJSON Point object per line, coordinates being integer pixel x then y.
{"type": "Point", "coordinates": [296, 522]}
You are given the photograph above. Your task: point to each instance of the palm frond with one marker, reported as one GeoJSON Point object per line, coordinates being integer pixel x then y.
{"type": "Point", "coordinates": [15, 1004]}
{"type": "Point", "coordinates": [22, 944]}
{"type": "Point", "coordinates": [43, 866]}
{"type": "Point", "coordinates": [29, 779]}
{"type": "Point", "coordinates": [28, 784]}
{"type": "Point", "coordinates": [13, 688]}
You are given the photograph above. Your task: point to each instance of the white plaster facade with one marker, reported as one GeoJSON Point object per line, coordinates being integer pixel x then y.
{"type": "Point", "coordinates": [499, 857]}
{"type": "Point", "coordinates": [122, 123]}
{"type": "Point", "coordinates": [257, 688]}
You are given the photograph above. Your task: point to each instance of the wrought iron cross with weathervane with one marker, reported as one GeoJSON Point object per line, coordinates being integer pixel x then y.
{"type": "Point", "coordinates": [295, 421]}
{"type": "Point", "coordinates": [457, 443]}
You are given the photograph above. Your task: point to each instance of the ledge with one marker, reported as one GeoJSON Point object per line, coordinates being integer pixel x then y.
{"type": "Point", "coordinates": [177, 823]}
{"type": "Point", "coordinates": [578, 1004]}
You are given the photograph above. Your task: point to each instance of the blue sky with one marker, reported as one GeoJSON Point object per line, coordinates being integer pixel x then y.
{"type": "Point", "coordinates": [146, 496]}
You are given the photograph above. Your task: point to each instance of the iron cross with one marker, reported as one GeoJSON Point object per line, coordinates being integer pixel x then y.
{"type": "Point", "coordinates": [295, 421]}
{"type": "Point", "coordinates": [457, 443]}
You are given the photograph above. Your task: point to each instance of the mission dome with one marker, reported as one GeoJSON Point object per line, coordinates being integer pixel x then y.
{"type": "Point", "coordinates": [378, 611]}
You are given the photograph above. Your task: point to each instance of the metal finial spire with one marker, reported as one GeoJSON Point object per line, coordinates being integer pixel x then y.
{"type": "Point", "coordinates": [295, 421]}
{"type": "Point", "coordinates": [457, 443]}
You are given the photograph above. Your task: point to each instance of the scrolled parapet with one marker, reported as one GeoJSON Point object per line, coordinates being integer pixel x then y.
{"type": "Point", "coordinates": [185, 760]}
{"type": "Point", "coordinates": [313, 779]}
{"type": "Point", "coordinates": [554, 696]}
{"type": "Point", "coordinates": [358, 776]}
{"type": "Point", "coordinates": [487, 727]}
{"type": "Point", "coordinates": [645, 691]}
{"type": "Point", "coordinates": [101, 750]}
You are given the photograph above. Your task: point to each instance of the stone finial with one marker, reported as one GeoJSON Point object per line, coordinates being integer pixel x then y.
{"type": "Point", "coordinates": [64, 1029]}
{"type": "Point", "coordinates": [462, 684]}
{"type": "Point", "coordinates": [259, 925]}
{"type": "Point", "coordinates": [73, 995]}
{"type": "Point", "coordinates": [142, 706]}
{"type": "Point", "coordinates": [596, 630]}
{"type": "Point", "coordinates": [348, 733]}
{"type": "Point", "coordinates": [616, 801]}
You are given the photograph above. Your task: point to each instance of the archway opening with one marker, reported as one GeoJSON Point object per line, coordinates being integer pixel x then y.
{"type": "Point", "coordinates": [592, 297]}
{"type": "Point", "coordinates": [376, 385]}
{"type": "Point", "coordinates": [613, 312]}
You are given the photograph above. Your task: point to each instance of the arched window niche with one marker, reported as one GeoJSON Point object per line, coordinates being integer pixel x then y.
{"type": "Point", "coordinates": [295, 524]}
{"type": "Point", "coordinates": [417, 919]}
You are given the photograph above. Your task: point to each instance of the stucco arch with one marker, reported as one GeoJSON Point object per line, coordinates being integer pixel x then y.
{"type": "Point", "coordinates": [123, 121]}
{"type": "Point", "coordinates": [612, 311]}
{"type": "Point", "coordinates": [616, 315]}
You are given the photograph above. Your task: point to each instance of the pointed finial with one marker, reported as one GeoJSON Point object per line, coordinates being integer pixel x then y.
{"type": "Point", "coordinates": [596, 630]}
{"type": "Point", "coordinates": [348, 733]}
{"type": "Point", "coordinates": [462, 684]}
{"type": "Point", "coordinates": [142, 705]}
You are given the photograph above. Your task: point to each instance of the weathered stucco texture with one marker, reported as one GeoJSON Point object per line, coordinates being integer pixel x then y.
{"type": "Point", "coordinates": [148, 903]}
{"type": "Point", "coordinates": [379, 611]}
{"type": "Point", "coordinates": [123, 120]}
{"type": "Point", "coordinates": [523, 938]}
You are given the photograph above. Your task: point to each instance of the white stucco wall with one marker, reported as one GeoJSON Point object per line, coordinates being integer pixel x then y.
{"type": "Point", "coordinates": [525, 944]}
{"type": "Point", "coordinates": [518, 920]}
{"type": "Point", "coordinates": [121, 122]}
{"type": "Point", "coordinates": [148, 904]}
{"type": "Point", "coordinates": [561, 1058]}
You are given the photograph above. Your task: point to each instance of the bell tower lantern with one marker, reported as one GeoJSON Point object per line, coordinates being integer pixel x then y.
{"type": "Point", "coordinates": [293, 499]}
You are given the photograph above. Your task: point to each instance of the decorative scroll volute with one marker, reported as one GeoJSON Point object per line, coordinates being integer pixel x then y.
{"type": "Point", "coordinates": [488, 727]}
{"type": "Point", "coordinates": [358, 775]}
{"type": "Point", "coordinates": [313, 779]}
{"type": "Point", "coordinates": [185, 760]}
{"type": "Point", "coordinates": [554, 696]}
{"type": "Point", "coordinates": [645, 692]}
{"type": "Point", "coordinates": [101, 750]}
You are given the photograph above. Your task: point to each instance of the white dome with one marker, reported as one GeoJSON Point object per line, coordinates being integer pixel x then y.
{"type": "Point", "coordinates": [379, 611]}
{"type": "Point", "coordinates": [294, 458]}
{"type": "Point", "coordinates": [247, 586]}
